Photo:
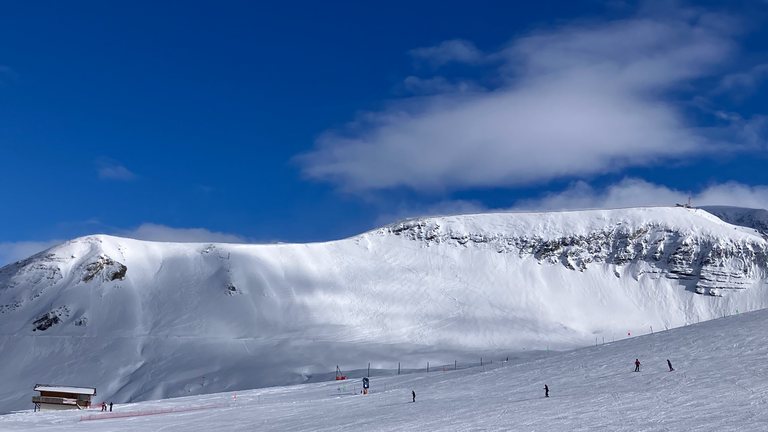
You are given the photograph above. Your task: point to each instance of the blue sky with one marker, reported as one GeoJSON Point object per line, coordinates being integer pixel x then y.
{"type": "Point", "coordinates": [297, 122]}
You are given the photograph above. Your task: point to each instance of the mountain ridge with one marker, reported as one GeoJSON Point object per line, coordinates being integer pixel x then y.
{"type": "Point", "coordinates": [149, 319]}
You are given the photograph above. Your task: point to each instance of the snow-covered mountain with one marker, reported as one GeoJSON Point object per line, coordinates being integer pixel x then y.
{"type": "Point", "coordinates": [752, 218]}
{"type": "Point", "coordinates": [145, 320]}
{"type": "Point", "coordinates": [719, 384]}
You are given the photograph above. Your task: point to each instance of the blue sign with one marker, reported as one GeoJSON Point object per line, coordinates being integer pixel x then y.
{"type": "Point", "coordinates": [365, 383]}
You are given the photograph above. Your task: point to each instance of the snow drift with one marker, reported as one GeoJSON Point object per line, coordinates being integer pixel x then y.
{"type": "Point", "coordinates": [144, 320]}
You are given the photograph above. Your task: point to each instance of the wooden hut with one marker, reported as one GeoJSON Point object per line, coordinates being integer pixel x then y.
{"type": "Point", "coordinates": [55, 397]}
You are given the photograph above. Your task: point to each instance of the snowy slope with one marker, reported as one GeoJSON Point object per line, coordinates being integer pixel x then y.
{"type": "Point", "coordinates": [747, 217]}
{"type": "Point", "coordinates": [720, 383]}
{"type": "Point", "coordinates": [142, 320]}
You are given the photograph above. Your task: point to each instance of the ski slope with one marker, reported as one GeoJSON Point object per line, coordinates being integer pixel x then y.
{"type": "Point", "coordinates": [146, 320]}
{"type": "Point", "coordinates": [720, 384]}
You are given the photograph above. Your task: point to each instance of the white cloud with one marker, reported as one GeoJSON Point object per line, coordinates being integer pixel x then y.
{"type": "Point", "coordinates": [111, 169]}
{"type": "Point", "coordinates": [11, 252]}
{"type": "Point", "coordinates": [451, 207]}
{"type": "Point", "coordinates": [577, 100]}
{"type": "Point", "coordinates": [438, 84]}
{"type": "Point", "coordinates": [633, 192]}
{"type": "Point", "coordinates": [155, 232]}
{"type": "Point", "coordinates": [630, 192]}
{"type": "Point", "coordinates": [744, 82]}
{"type": "Point", "coordinates": [456, 50]}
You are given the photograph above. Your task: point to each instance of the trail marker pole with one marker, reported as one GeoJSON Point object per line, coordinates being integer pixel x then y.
{"type": "Point", "coordinates": [398, 368]}
{"type": "Point", "coordinates": [651, 329]}
{"type": "Point", "coordinates": [369, 370]}
{"type": "Point", "coordinates": [427, 366]}
{"type": "Point", "coordinates": [454, 365]}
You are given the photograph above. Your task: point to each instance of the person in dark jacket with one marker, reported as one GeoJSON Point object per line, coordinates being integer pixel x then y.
{"type": "Point", "coordinates": [414, 395]}
{"type": "Point", "coordinates": [110, 407]}
{"type": "Point", "coordinates": [546, 391]}
{"type": "Point", "coordinates": [669, 363]}
{"type": "Point", "coordinates": [637, 365]}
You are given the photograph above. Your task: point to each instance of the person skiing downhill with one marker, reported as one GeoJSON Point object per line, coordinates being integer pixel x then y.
{"type": "Point", "coordinates": [669, 363]}
{"type": "Point", "coordinates": [637, 365]}
{"type": "Point", "coordinates": [103, 406]}
{"type": "Point", "coordinates": [414, 395]}
{"type": "Point", "coordinates": [546, 391]}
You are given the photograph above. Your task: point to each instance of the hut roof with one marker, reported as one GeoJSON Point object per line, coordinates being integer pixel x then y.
{"type": "Point", "coordinates": [65, 389]}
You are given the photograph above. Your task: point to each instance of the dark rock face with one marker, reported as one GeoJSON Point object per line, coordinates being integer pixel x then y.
{"type": "Point", "coordinates": [110, 269]}
{"type": "Point", "coordinates": [712, 263]}
{"type": "Point", "coordinates": [50, 319]}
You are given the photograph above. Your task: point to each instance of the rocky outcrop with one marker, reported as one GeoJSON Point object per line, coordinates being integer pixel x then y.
{"type": "Point", "coordinates": [50, 319]}
{"type": "Point", "coordinates": [711, 263]}
{"type": "Point", "coordinates": [105, 266]}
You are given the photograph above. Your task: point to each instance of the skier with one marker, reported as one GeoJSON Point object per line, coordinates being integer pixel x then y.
{"type": "Point", "coordinates": [669, 363]}
{"type": "Point", "coordinates": [110, 407]}
{"type": "Point", "coordinates": [103, 407]}
{"type": "Point", "coordinates": [546, 391]}
{"type": "Point", "coordinates": [637, 365]}
{"type": "Point", "coordinates": [414, 395]}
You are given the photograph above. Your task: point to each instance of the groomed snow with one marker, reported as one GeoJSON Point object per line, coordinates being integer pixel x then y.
{"type": "Point", "coordinates": [720, 384]}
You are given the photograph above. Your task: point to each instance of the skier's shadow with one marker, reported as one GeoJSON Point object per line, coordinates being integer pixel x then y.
{"type": "Point", "coordinates": [529, 399]}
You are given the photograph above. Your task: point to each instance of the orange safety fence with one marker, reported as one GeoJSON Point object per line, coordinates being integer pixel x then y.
{"type": "Point", "coordinates": [140, 413]}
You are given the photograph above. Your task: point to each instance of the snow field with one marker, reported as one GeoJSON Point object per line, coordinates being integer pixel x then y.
{"type": "Point", "coordinates": [720, 384]}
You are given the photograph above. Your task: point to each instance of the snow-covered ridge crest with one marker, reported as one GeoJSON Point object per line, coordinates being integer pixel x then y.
{"type": "Point", "coordinates": [686, 244]}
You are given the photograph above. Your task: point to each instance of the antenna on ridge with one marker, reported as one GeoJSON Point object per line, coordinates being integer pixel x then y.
{"type": "Point", "coordinates": [685, 205]}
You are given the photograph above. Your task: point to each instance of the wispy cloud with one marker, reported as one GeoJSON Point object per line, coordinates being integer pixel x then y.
{"type": "Point", "coordinates": [576, 100]}
{"type": "Point", "coordinates": [439, 84]}
{"type": "Point", "coordinates": [14, 251]}
{"type": "Point", "coordinates": [448, 207]}
{"type": "Point", "coordinates": [456, 50]}
{"type": "Point", "coordinates": [113, 170]}
{"type": "Point", "coordinates": [163, 233]}
{"type": "Point", "coordinates": [630, 192]}
{"type": "Point", "coordinates": [635, 193]}
{"type": "Point", "coordinates": [744, 82]}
